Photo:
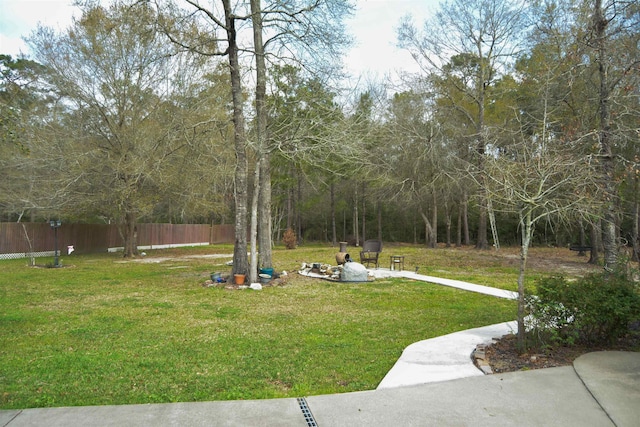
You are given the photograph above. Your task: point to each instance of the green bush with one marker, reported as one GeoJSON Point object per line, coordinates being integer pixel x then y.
{"type": "Point", "coordinates": [594, 309]}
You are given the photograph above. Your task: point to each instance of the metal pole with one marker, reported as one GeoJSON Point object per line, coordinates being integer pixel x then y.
{"type": "Point", "coordinates": [55, 248]}
{"type": "Point", "coordinates": [55, 224]}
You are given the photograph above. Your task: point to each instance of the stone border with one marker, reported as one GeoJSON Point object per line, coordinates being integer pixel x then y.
{"type": "Point", "coordinates": [479, 357]}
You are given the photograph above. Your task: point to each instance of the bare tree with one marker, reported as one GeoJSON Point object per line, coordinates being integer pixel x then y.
{"type": "Point", "coordinates": [25, 110]}
{"type": "Point", "coordinates": [292, 27]}
{"type": "Point", "coordinates": [262, 182]}
{"type": "Point", "coordinates": [484, 35]}
{"type": "Point", "coordinates": [537, 181]}
{"type": "Point", "coordinates": [197, 29]}
{"type": "Point", "coordinates": [117, 81]}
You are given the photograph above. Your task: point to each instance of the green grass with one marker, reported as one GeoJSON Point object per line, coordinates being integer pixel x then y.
{"type": "Point", "coordinates": [106, 331]}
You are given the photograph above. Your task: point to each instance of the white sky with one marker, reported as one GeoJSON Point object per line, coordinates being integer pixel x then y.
{"type": "Point", "coordinates": [19, 17]}
{"type": "Point", "coordinates": [374, 25]}
{"type": "Point", "coordinates": [375, 53]}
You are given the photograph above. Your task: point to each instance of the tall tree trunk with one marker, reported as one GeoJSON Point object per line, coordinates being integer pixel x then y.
{"type": "Point", "coordinates": [265, 227]}
{"type": "Point", "coordinates": [459, 227]}
{"type": "Point", "coordinates": [364, 212]}
{"type": "Point", "coordinates": [447, 219]}
{"type": "Point", "coordinates": [379, 220]}
{"type": "Point", "coordinates": [526, 229]}
{"type": "Point", "coordinates": [465, 218]}
{"type": "Point", "coordinates": [278, 224]}
{"type": "Point", "coordinates": [635, 227]}
{"type": "Point", "coordinates": [253, 270]}
{"type": "Point", "coordinates": [298, 206]}
{"type": "Point", "coordinates": [130, 234]}
{"type": "Point", "coordinates": [240, 183]}
{"type": "Point", "coordinates": [334, 236]}
{"type": "Point", "coordinates": [428, 229]}
{"type": "Point", "coordinates": [583, 241]}
{"type": "Point", "coordinates": [594, 257]}
{"type": "Point", "coordinates": [32, 258]}
{"type": "Point", "coordinates": [356, 226]}
{"type": "Point", "coordinates": [264, 199]}
{"type": "Point", "coordinates": [609, 235]}
{"type": "Point", "coordinates": [289, 208]}
{"type": "Point", "coordinates": [344, 225]}
{"type": "Point", "coordinates": [434, 219]}
{"type": "Point", "coordinates": [635, 216]}
{"type": "Point", "coordinates": [482, 241]}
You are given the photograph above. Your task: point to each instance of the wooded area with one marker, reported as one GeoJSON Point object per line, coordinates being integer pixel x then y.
{"type": "Point", "coordinates": [523, 125]}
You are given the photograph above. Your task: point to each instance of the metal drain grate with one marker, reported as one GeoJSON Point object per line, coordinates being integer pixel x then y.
{"type": "Point", "coordinates": [308, 416]}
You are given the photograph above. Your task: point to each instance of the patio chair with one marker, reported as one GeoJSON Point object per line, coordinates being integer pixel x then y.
{"type": "Point", "coordinates": [370, 252]}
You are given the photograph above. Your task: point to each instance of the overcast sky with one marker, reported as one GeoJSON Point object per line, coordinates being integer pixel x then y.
{"type": "Point", "coordinates": [375, 53]}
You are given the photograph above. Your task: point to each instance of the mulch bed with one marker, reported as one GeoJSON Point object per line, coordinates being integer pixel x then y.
{"type": "Point", "coordinates": [503, 356]}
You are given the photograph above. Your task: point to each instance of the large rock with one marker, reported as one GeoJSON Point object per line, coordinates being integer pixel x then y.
{"type": "Point", "coordinates": [354, 272]}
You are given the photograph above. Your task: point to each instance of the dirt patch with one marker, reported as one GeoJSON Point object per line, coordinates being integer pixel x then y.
{"type": "Point", "coordinates": [556, 260]}
{"type": "Point", "coordinates": [51, 266]}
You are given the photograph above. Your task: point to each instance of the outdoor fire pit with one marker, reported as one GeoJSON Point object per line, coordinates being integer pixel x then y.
{"type": "Point", "coordinates": [347, 270]}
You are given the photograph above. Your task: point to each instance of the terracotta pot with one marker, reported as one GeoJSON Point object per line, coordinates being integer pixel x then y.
{"type": "Point", "coordinates": [238, 279]}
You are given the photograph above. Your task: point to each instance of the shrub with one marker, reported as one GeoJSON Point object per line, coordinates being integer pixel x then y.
{"type": "Point", "coordinates": [593, 309]}
{"type": "Point", "coordinates": [289, 239]}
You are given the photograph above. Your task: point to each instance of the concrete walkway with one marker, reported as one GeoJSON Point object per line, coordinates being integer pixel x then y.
{"type": "Point", "coordinates": [443, 358]}
{"type": "Point", "coordinates": [465, 286]}
{"type": "Point", "coordinates": [447, 357]}
{"type": "Point", "coordinates": [433, 383]}
{"type": "Point", "coordinates": [601, 389]}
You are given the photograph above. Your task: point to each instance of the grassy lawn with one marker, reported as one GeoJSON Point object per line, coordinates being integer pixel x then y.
{"type": "Point", "coordinates": [109, 331]}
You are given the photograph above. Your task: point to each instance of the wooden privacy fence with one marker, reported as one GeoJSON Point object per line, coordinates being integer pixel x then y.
{"type": "Point", "coordinates": [18, 240]}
